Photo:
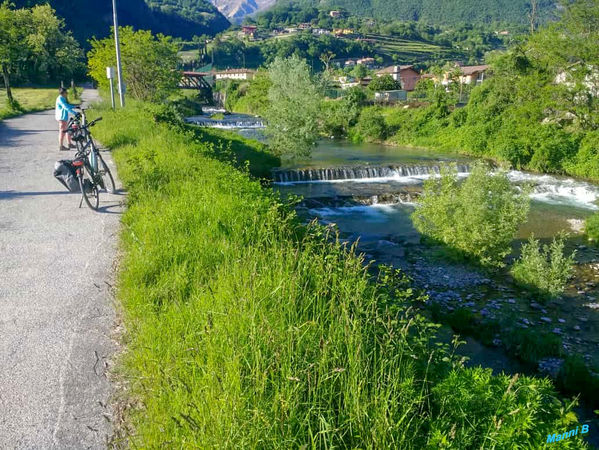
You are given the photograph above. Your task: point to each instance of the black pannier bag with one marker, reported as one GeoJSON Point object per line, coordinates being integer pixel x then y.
{"type": "Point", "coordinates": [65, 172]}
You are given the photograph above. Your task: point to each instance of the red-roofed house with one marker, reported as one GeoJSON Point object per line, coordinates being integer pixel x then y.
{"type": "Point", "coordinates": [406, 75]}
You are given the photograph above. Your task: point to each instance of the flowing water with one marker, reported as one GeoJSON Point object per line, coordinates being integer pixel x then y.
{"type": "Point", "coordinates": [386, 182]}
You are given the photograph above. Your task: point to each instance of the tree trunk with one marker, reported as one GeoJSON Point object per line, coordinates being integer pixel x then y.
{"type": "Point", "coordinates": [6, 76]}
{"type": "Point", "coordinates": [532, 16]}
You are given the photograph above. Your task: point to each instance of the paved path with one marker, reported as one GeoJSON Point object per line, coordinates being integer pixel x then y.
{"type": "Point", "coordinates": [56, 312]}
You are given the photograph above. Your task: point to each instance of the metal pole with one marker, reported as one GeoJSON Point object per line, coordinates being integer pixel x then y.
{"type": "Point", "coordinates": [118, 54]}
{"type": "Point", "coordinates": [112, 93]}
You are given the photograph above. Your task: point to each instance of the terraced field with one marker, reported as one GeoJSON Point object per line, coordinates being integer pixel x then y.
{"type": "Point", "coordinates": [410, 51]}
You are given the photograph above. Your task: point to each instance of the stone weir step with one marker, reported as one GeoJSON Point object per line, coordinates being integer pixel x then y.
{"type": "Point", "coordinates": [348, 173]}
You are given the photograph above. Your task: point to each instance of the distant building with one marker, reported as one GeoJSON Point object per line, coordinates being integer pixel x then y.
{"type": "Point", "coordinates": [346, 82]}
{"type": "Point", "coordinates": [364, 82]}
{"type": "Point", "coordinates": [335, 14]}
{"type": "Point", "coordinates": [405, 75]}
{"type": "Point", "coordinates": [320, 31]}
{"type": "Point", "coordinates": [473, 74]}
{"type": "Point", "coordinates": [249, 30]}
{"type": "Point", "coordinates": [305, 26]}
{"type": "Point", "coordinates": [350, 63]}
{"type": "Point", "coordinates": [235, 74]}
{"type": "Point", "coordinates": [343, 31]}
{"type": "Point", "coordinates": [291, 30]}
{"type": "Point", "coordinates": [368, 62]}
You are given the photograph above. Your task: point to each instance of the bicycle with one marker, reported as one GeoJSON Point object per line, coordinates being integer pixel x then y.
{"type": "Point", "coordinates": [91, 169]}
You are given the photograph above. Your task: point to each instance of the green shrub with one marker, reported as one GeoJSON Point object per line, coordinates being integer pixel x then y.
{"type": "Point", "coordinates": [477, 218]}
{"type": "Point", "coordinates": [462, 321]}
{"type": "Point", "coordinates": [371, 126]}
{"type": "Point", "coordinates": [575, 378]}
{"type": "Point", "coordinates": [591, 227]}
{"type": "Point", "coordinates": [546, 269]}
{"type": "Point", "coordinates": [474, 399]}
{"type": "Point", "coordinates": [531, 345]}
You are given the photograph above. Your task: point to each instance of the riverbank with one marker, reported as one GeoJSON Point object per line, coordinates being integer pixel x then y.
{"type": "Point", "coordinates": [544, 148]}
{"type": "Point", "coordinates": [244, 326]}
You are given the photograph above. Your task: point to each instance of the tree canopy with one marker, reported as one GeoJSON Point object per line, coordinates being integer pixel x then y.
{"type": "Point", "coordinates": [293, 108]}
{"type": "Point", "coordinates": [148, 61]}
{"type": "Point", "coordinates": [35, 47]}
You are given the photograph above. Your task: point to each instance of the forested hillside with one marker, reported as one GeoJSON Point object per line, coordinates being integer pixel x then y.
{"type": "Point", "coordinates": [179, 18]}
{"type": "Point", "coordinates": [439, 11]}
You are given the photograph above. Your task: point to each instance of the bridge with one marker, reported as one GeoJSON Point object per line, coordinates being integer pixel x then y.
{"type": "Point", "coordinates": [197, 81]}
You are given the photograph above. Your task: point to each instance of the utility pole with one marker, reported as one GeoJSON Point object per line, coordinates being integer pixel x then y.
{"type": "Point", "coordinates": [117, 44]}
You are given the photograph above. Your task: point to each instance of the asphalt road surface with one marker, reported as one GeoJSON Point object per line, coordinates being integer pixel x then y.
{"type": "Point", "coordinates": [56, 311]}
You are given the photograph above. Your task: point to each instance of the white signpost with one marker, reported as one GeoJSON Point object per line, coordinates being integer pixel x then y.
{"type": "Point", "coordinates": [110, 76]}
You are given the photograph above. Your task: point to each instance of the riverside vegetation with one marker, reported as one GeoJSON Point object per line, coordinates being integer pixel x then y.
{"type": "Point", "coordinates": [247, 329]}
{"type": "Point", "coordinates": [538, 109]}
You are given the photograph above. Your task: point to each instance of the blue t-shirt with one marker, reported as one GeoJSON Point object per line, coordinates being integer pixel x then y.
{"type": "Point", "coordinates": [63, 108]}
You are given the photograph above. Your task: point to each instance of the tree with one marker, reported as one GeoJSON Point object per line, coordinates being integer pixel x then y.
{"type": "Point", "coordinates": [384, 83]}
{"type": "Point", "coordinates": [360, 71]}
{"type": "Point", "coordinates": [477, 218]}
{"type": "Point", "coordinates": [35, 47]}
{"type": "Point", "coordinates": [293, 109]}
{"type": "Point", "coordinates": [533, 15]}
{"type": "Point", "coordinates": [13, 43]}
{"type": "Point", "coordinates": [56, 52]}
{"type": "Point", "coordinates": [149, 63]}
{"type": "Point", "coordinates": [326, 58]}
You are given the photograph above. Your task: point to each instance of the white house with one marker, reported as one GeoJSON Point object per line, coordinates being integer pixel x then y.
{"type": "Point", "coordinates": [235, 74]}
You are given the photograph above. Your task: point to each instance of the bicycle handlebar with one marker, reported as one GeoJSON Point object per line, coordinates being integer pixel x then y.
{"type": "Point", "coordinates": [83, 127]}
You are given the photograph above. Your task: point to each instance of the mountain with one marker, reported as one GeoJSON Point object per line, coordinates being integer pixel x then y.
{"type": "Point", "coordinates": [179, 18]}
{"type": "Point", "coordinates": [441, 11]}
{"type": "Point", "coordinates": [431, 11]}
{"type": "Point", "coordinates": [236, 10]}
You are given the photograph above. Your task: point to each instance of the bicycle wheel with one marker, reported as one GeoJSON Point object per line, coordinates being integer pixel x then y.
{"type": "Point", "coordinates": [89, 191]}
{"type": "Point", "coordinates": [106, 176]}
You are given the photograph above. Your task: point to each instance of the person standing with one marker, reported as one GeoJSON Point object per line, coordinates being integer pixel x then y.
{"type": "Point", "coordinates": [63, 109]}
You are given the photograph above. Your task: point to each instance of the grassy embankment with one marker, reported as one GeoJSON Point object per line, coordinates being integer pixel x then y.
{"type": "Point", "coordinates": [246, 329]}
{"type": "Point", "coordinates": [30, 100]}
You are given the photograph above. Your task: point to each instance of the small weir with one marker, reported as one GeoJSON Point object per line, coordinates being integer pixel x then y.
{"type": "Point", "coordinates": [365, 173]}
{"type": "Point", "coordinates": [545, 188]}
{"type": "Point", "coordinates": [230, 122]}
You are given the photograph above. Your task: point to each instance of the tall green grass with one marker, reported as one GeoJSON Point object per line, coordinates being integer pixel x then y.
{"type": "Point", "coordinates": [246, 329]}
{"type": "Point", "coordinates": [28, 100]}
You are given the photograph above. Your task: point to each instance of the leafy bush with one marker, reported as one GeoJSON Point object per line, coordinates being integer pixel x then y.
{"type": "Point", "coordinates": [545, 269]}
{"type": "Point", "coordinates": [575, 378]}
{"type": "Point", "coordinates": [384, 83]}
{"type": "Point", "coordinates": [530, 346]}
{"type": "Point", "coordinates": [371, 126]}
{"type": "Point", "coordinates": [591, 227]}
{"type": "Point", "coordinates": [477, 218]}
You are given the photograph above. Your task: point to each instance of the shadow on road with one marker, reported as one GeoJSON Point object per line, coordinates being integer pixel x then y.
{"type": "Point", "coordinates": [5, 195]}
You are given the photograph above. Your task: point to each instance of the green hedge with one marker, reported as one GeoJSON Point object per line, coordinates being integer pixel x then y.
{"type": "Point", "coordinates": [246, 329]}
